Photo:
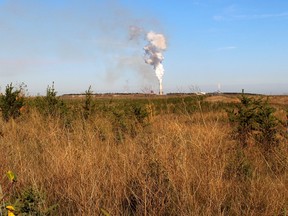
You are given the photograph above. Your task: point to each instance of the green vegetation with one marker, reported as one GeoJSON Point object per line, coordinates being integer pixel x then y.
{"type": "Point", "coordinates": [169, 155]}
{"type": "Point", "coordinates": [89, 105]}
{"type": "Point", "coordinates": [254, 118]}
{"type": "Point", "coordinates": [21, 201]}
{"type": "Point", "coordinates": [50, 105]}
{"type": "Point", "coordinates": [12, 102]}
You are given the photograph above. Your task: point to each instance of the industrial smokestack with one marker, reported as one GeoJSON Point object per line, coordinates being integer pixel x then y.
{"type": "Point", "coordinates": [153, 55]}
{"type": "Point", "coordinates": [160, 87]}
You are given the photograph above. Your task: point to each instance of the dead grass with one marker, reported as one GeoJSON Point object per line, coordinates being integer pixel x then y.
{"type": "Point", "coordinates": [222, 98]}
{"type": "Point", "coordinates": [175, 166]}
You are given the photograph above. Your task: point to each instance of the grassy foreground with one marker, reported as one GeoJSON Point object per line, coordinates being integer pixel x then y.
{"type": "Point", "coordinates": [173, 158]}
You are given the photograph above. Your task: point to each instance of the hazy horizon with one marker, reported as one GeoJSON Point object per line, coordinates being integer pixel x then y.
{"type": "Point", "coordinates": [280, 89]}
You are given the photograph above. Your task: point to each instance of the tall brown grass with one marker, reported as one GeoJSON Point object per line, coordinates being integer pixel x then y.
{"type": "Point", "coordinates": [177, 165]}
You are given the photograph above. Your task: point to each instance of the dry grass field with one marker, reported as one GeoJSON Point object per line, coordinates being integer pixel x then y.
{"type": "Point", "coordinates": [168, 163]}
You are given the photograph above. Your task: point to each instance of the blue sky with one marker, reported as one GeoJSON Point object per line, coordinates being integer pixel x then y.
{"type": "Point", "coordinates": [237, 44]}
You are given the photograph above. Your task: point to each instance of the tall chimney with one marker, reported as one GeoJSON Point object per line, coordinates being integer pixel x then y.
{"type": "Point", "coordinates": [160, 87]}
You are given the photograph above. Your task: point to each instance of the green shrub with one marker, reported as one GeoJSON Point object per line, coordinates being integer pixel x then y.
{"type": "Point", "coordinates": [254, 118]}
{"type": "Point", "coordinates": [89, 104]}
{"type": "Point", "coordinates": [140, 112]}
{"type": "Point", "coordinates": [50, 104]}
{"type": "Point", "coordinates": [51, 98]}
{"type": "Point", "coordinates": [22, 201]}
{"type": "Point", "coordinates": [53, 104]}
{"type": "Point", "coordinates": [12, 102]}
{"type": "Point", "coordinates": [32, 202]}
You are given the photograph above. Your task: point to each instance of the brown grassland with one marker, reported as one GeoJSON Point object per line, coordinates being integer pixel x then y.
{"type": "Point", "coordinates": [167, 162]}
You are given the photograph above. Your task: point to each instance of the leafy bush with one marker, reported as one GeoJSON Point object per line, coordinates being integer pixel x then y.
{"type": "Point", "coordinates": [12, 102]}
{"type": "Point", "coordinates": [254, 118]}
{"type": "Point", "coordinates": [54, 105]}
{"type": "Point", "coordinates": [51, 105]}
{"type": "Point", "coordinates": [32, 202]}
{"type": "Point", "coordinates": [140, 112]}
{"type": "Point", "coordinates": [51, 99]}
{"type": "Point", "coordinates": [89, 105]}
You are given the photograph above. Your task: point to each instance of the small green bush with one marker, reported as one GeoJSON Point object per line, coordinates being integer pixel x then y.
{"type": "Point", "coordinates": [89, 104]}
{"type": "Point", "coordinates": [254, 118]}
{"type": "Point", "coordinates": [51, 99]}
{"type": "Point", "coordinates": [140, 112]}
{"type": "Point", "coordinates": [22, 201]}
{"type": "Point", "coordinates": [50, 104]}
{"type": "Point", "coordinates": [32, 202]}
{"type": "Point", "coordinates": [12, 102]}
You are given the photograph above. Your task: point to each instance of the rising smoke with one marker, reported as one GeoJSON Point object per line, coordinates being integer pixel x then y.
{"type": "Point", "coordinates": [154, 54]}
{"type": "Point", "coordinates": [106, 45]}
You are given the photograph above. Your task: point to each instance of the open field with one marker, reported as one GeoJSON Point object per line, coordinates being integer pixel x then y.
{"type": "Point", "coordinates": [126, 155]}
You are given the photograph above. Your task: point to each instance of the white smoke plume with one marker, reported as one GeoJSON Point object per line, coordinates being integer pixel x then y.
{"type": "Point", "coordinates": [154, 54]}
